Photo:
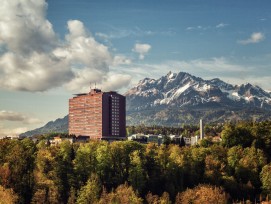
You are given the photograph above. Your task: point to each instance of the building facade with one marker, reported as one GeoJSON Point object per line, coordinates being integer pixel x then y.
{"type": "Point", "coordinates": [99, 115]}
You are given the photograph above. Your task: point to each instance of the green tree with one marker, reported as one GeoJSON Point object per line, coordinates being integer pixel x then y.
{"type": "Point", "coordinates": [233, 135]}
{"type": "Point", "coordinates": [137, 174]}
{"type": "Point", "coordinates": [265, 176]}
{"type": "Point", "coordinates": [64, 170]}
{"type": "Point", "coordinates": [85, 162]}
{"type": "Point", "coordinates": [90, 192]}
{"type": "Point", "coordinates": [19, 164]}
{"type": "Point", "coordinates": [104, 162]}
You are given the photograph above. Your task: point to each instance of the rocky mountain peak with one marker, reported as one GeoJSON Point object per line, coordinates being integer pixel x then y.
{"type": "Point", "coordinates": [185, 90]}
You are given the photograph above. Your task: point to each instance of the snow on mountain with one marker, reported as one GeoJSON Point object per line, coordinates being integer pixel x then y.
{"type": "Point", "coordinates": [182, 89]}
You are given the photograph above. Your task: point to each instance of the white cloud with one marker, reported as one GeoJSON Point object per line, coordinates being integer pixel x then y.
{"type": "Point", "coordinates": [121, 60]}
{"type": "Point", "coordinates": [254, 38]}
{"type": "Point", "coordinates": [38, 72]}
{"type": "Point", "coordinates": [86, 78]}
{"type": "Point", "coordinates": [199, 27]}
{"type": "Point", "coordinates": [12, 132]}
{"type": "Point", "coordinates": [115, 82]}
{"type": "Point", "coordinates": [17, 117]}
{"type": "Point", "coordinates": [23, 26]}
{"type": "Point", "coordinates": [206, 68]}
{"type": "Point", "coordinates": [33, 58]}
{"type": "Point", "coordinates": [141, 49]}
{"type": "Point", "coordinates": [118, 33]}
{"type": "Point", "coordinates": [221, 25]}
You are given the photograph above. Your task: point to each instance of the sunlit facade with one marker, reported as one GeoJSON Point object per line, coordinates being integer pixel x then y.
{"type": "Point", "coordinates": [99, 115]}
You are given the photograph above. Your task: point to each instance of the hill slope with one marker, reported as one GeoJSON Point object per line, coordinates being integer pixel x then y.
{"type": "Point", "coordinates": [60, 125]}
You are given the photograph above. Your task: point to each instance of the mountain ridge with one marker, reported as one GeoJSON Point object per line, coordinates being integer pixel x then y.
{"type": "Point", "coordinates": [181, 98]}
{"type": "Point", "coordinates": [175, 96]}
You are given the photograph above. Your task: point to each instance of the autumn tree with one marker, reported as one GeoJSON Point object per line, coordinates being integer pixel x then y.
{"type": "Point", "coordinates": [7, 196]}
{"type": "Point", "coordinates": [124, 194]}
{"type": "Point", "coordinates": [202, 194]}
{"type": "Point", "coordinates": [46, 190]}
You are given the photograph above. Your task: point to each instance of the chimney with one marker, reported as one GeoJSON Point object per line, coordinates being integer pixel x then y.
{"type": "Point", "coordinates": [201, 129]}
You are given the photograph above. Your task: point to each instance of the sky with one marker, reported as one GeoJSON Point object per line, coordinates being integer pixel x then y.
{"type": "Point", "coordinates": [52, 49]}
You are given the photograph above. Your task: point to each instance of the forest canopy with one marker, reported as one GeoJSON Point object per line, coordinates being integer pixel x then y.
{"type": "Point", "coordinates": [236, 169]}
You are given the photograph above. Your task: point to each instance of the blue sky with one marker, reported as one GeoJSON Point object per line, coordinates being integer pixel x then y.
{"type": "Point", "coordinates": [52, 49]}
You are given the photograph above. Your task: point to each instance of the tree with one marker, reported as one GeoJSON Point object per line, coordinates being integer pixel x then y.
{"type": "Point", "coordinates": [64, 170]}
{"type": "Point", "coordinates": [206, 142]}
{"type": "Point", "coordinates": [215, 164]}
{"type": "Point", "coordinates": [124, 194]}
{"type": "Point", "coordinates": [46, 190]}
{"type": "Point", "coordinates": [164, 199]}
{"type": "Point", "coordinates": [233, 135]}
{"type": "Point", "coordinates": [85, 162]}
{"type": "Point", "coordinates": [19, 164]}
{"type": "Point", "coordinates": [90, 192]}
{"type": "Point", "coordinates": [265, 176]}
{"type": "Point", "coordinates": [202, 194]}
{"type": "Point", "coordinates": [152, 199]}
{"type": "Point", "coordinates": [155, 199]}
{"type": "Point", "coordinates": [137, 174]}
{"type": "Point", "coordinates": [7, 196]}
{"type": "Point", "coordinates": [103, 167]}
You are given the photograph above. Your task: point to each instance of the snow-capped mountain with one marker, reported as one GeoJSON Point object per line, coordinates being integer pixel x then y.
{"type": "Point", "coordinates": [184, 91]}
{"type": "Point", "coordinates": [181, 98]}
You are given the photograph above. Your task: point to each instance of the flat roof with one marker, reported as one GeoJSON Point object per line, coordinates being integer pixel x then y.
{"type": "Point", "coordinates": [80, 94]}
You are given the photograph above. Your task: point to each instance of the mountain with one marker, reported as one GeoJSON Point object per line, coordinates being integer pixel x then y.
{"type": "Point", "coordinates": [179, 98]}
{"type": "Point", "coordinates": [60, 125]}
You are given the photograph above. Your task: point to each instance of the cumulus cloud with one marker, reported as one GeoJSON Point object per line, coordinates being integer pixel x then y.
{"type": "Point", "coordinates": [254, 38]}
{"type": "Point", "coordinates": [115, 82]}
{"type": "Point", "coordinates": [141, 49]}
{"type": "Point", "coordinates": [33, 58]}
{"type": "Point", "coordinates": [24, 28]}
{"type": "Point", "coordinates": [17, 117]}
{"type": "Point", "coordinates": [12, 132]}
{"type": "Point", "coordinates": [121, 60]}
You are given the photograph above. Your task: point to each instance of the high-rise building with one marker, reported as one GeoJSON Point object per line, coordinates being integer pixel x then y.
{"type": "Point", "coordinates": [99, 115]}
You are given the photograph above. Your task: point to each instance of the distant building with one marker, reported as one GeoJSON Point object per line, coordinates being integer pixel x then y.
{"type": "Point", "coordinates": [158, 139]}
{"type": "Point", "coordinates": [99, 115]}
{"type": "Point", "coordinates": [194, 140]}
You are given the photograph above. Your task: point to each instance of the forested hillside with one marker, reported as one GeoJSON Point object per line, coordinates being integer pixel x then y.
{"type": "Point", "coordinates": [237, 169]}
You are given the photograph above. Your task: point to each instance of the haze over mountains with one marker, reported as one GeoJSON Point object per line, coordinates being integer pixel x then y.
{"type": "Point", "coordinates": [181, 98]}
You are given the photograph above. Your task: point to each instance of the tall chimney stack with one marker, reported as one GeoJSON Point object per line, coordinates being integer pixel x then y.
{"type": "Point", "coordinates": [201, 129]}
